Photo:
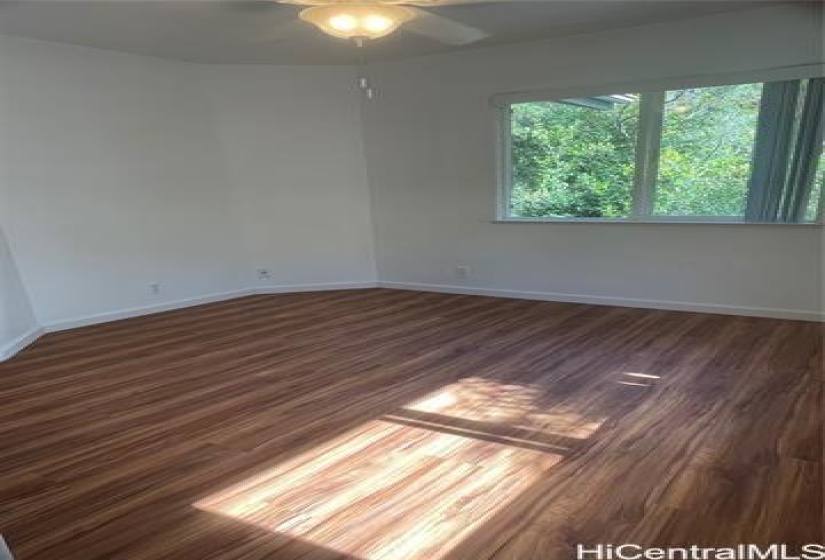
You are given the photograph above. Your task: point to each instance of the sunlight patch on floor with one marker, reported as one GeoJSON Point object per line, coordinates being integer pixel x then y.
{"type": "Point", "coordinates": [390, 490]}
{"type": "Point", "coordinates": [643, 375]}
{"type": "Point", "coordinates": [523, 407]}
{"type": "Point", "coordinates": [639, 379]}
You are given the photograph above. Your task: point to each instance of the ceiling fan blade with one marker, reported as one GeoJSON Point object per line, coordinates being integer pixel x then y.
{"type": "Point", "coordinates": [279, 31]}
{"type": "Point", "coordinates": [439, 3]}
{"type": "Point", "coordinates": [443, 29]}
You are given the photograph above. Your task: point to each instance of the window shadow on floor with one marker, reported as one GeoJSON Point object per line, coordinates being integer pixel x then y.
{"type": "Point", "coordinates": [418, 481]}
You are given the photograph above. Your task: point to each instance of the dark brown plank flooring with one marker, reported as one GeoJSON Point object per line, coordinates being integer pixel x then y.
{"type": "Point", "coordinates": [377, 424]}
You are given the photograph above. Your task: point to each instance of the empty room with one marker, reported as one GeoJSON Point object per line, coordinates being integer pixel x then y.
{"type": "Point", "coordinates": [411, 280]}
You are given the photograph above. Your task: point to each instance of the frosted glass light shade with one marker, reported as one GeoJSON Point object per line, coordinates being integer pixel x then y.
{"type": "Point", "coordinates": [349, 21]}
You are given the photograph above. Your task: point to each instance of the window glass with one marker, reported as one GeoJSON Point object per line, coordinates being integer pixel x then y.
{"type": "Point", "coordinates": [812, 212]}
{"type": "Point", "coordinates": [706, 149]}
{"type": "Point", "coordinates": [574, 158]}
{"type": "Point", "coordinates": [743, 152]}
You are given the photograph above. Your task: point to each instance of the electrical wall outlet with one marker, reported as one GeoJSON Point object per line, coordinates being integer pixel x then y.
{"type": "Point", "coordinates": [462, 272]}
{"type": "Point", "coordinates": [154, 288]}
{"type": "Point", "coordinates": [264, 274]}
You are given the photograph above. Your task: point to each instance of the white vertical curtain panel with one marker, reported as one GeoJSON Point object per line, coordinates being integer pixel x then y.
{"type": "Point", "coordinates": [787, 150]}
{"type": "Point", "coordinates": [807, 153]}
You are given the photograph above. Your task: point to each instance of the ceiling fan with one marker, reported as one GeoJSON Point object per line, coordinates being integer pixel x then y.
{"type": "Point", "coordinates": [362, 20]}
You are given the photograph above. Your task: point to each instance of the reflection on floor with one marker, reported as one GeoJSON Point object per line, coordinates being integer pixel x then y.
{"type": "Point", "coordinates": [415, 483]}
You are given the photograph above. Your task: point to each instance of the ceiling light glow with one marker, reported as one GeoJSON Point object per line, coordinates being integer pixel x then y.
{"type": "Point", "coordinates": [357, 21]}
{"type": "Point", "coordinates": [376, 23]}
{"type": "Point", "coordinates": [343, 22]}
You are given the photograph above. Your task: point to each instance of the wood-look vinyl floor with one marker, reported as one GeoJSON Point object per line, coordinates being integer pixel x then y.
{"type": "Point", "coordinates": [391, 425]}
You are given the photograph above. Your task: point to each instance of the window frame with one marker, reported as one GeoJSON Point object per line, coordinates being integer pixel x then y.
{"type": "Point", "coordinates": [651, 103]}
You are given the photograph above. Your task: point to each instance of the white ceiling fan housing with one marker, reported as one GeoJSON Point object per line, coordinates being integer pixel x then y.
{"type": "Point", "coordinates": [359, 19]}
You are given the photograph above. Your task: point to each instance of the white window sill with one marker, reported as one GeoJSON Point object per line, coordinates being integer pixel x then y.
{"type": "Point", "coordinates": [612, 221]}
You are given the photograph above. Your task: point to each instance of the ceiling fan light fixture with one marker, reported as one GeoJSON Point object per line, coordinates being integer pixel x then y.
{"type": "Point", "coordinates": [351, 21]}
{"type": "Point", "coordinates": [376, 23]}
{"type": "Point", "coordinates": [343, 22]}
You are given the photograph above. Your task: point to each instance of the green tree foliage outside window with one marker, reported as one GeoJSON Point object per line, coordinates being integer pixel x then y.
{"type": "Point", "coordinates": [706, 150]}
{"type": "Point", "coordinates": [572, 161]}
{"type": "Point", "coordinates": [576, 158]}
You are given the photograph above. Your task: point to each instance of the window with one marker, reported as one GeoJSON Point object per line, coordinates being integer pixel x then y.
{"type": "Point", "coordinates": [706, 150]}
{"type": "Point", "coordinates": [735, 153]}
{"type": "Point", "coordinates": [574, 158]}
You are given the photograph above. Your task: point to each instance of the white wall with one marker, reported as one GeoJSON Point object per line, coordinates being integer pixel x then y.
{"type": "Point", "coordinates": [16, 317]}
{"type": "Point", "coordinates": [124, 170]}
{"type": "Point", "coordinates": [17, 321]}
{"type": "Point", "coordinates": [294, 154]}
{"type": "Point", "coordinates": [114, 181]}
{"type": "Point", "coordinates": [431, 149]}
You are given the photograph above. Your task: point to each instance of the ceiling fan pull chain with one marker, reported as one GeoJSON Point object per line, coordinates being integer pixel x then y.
{"type": "Point", "coordinates": [363, 80]}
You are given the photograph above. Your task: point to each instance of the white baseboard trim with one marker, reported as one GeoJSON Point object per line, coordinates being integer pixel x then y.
{"type": "Point", "coordinates": [139, 311]}
{"type": "Point", "coordinates": [9, 350]}
{"type": "Point", "coordinates": [794, 314]}
{"type": "Point", "coordinates": [319, 287]}
{"type": "Point", "coordinates": [201, 300]}
{"type": "Point", "coordinates": [22, 342]}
